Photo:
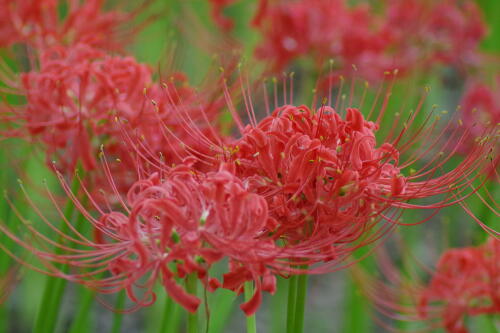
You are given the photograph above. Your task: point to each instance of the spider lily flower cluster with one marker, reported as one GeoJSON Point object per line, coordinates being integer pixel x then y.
{"type": "Point", "coordinates": [406, 35]}
{"type": "Point", "coordinates": [303, 187]}
{"type": "Point", "coordinates": [75, 96]}
{"type": "Point", "coordinates": [474, 272]}
{"type": "Point", "coordinates": [296, 192]}
{"type": "Point", "coordinates": [463, 284]}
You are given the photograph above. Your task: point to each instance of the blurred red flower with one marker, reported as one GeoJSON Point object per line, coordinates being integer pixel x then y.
{"type": "Point", "coordinates": [41, 24]}
{"type": "Point", "coordinates": [479, 109]}
{"type": "Point", "coordinates": [170, 227]}
{"type": "Point", "coordinates": [466, 283]}
{"type": "Point", "coordinates": [402, 35]}
{"type": "Point", "coordinates": [81, 99]}
{"type": "Point", "coordinates": [303, 187]}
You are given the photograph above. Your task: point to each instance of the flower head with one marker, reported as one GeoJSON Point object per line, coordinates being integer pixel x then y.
{"type": "Point", "coordinates": [40, 24]}
{"type": "Point", "coordinates": [466, 282]}
{"type": "Point", "coordinates": [402, 35]}
{"type": "Point", "coordinates": [333, 185]}
{"type": "Point", "coordinates": [170, 226]}
{"type": "Point", "coordinates": [298, 192]}
{"type": "Point", "coordinates": [463, 284]}
{"type": "Point", "coordinates": [322, 175]}
{"type": "Point", "coordinates": [81, 99]}
{"type": "Point", "coordinates": [447, 32]}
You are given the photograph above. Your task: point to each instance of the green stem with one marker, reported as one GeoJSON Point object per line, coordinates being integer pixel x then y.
{"type": "Point", "coordinates": [300, 303]}
{"type": "Point", "coordinates": [118, 316]}
{"type": "Point", "coordinates": [357, 319]}
{"type": "Point", "coordinates": [175, 323]}
{"type": "Point", "coordinates": [167, 315]}
{"type": "Point", "coordinates": [223, 302]}
{"type": "Point", "coordinates": [277, 309]}
{"type": "Point", "coordinates": [4, 319]}
{"type": "Point", "coordinates": [5, 263]}
{"type": "Point", "coordinates": [192, 288]}
{"type": "Point", "coordinates": [81, 322]}
{"type": "Point", "coordinates": [292, 295]}
{"type": "Point", "coordinates": [48, 310]}
{"type": "Point", "coordinates": [251, 323]}
{"type": "Point", "coordinates": [493, 321]}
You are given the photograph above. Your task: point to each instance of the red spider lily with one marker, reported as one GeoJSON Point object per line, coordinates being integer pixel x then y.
{"type": "Point", "coordinates": [465, 283]}
{"type": "Point", "coordinates": [170, 227]}
{"type": "Point", "coordinates": [450, 30]}
{"type": "Point", "coordinates": [74, 93]}
{"type": "Point", "coordinates": [331, 188]}
{"type": "Point", "coordinates": [81, 98]}
{"type": "Point", "coordinates": [304, 186]}
{"type": "Point", "coordinates": [480, 107]}
{"type": "Point", "coordinates": [39, 23]}
{"type": "Point", "coordinates": [325, 28]}
{"type": "Point", "coordinates": [322, 175]}
{"type": "Point", "coordinates": [406, 35]}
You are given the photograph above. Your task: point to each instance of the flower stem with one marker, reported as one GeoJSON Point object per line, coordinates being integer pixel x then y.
{"type": "Point", "coordinates": [192, 288]}
{"type": "Point", "coordinates": [81, 321]}
{"type": "Point", "coordinates": [493, 321]}
{"type": "Point", "coordinates": [5, 263]}
{"type": "Point", "coordinates": [251, 323]}
{"type": "Point", "coordinates": [292, 293]}
{"type": "Point", "coordinates": [118, 316]}
{"type": "Point", "coordinates": [48, 310]}
{"type": "Point", "coordinates": [277, 309]}
{"type": "Point", "coordinates": [300, 303]}
{"type": "Point", "coordinates": [167, 315]}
